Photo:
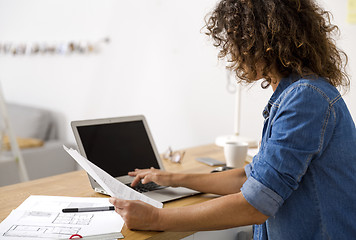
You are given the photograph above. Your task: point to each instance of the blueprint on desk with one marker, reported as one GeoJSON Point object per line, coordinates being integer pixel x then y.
{"type": "Point", "coordinates": [41, 217]}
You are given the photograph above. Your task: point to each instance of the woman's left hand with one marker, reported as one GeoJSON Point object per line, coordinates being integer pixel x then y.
{"type": "Point", "coordinates": [137, 215]}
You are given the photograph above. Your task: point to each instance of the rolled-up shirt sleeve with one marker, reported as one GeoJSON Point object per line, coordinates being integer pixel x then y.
{"type": "Point", "coordinates": [296, 135]}
{"type": "Point", "coordinates": [260, 196]}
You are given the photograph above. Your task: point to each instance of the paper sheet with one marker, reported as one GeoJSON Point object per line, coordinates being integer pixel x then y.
{"type": "Point", "coordinates": [351, 11]}
{"type": "Point", "coordinates": [112, 186]}
{"type": "Point", "coordinates": [41, 217]}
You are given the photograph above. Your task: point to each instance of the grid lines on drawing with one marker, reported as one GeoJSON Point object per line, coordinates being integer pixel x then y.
{"type": "Point", "coordinates": [73, 218]}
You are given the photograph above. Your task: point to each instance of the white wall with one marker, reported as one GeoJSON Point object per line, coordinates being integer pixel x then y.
{"type": "Point", "coordinates": [346, 42]}
{"type": "Point", "coordinates": [158, 64]}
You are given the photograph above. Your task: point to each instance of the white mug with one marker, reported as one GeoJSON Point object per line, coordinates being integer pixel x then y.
{"type": "Point", "coordinates": [235, 154]}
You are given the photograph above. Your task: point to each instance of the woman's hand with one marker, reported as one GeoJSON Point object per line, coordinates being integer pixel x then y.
{"type": "Point", "coordinates": [137, 215]}
{"type": "Point", "coordinates": [151, 175]}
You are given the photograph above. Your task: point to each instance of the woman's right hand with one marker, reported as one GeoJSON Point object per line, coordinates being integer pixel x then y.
{"type": "Point", "coordinates": [151, 175]}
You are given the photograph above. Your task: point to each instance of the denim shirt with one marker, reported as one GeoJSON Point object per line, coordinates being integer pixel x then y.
{"type": "Point", "coordinates": [304, 176]}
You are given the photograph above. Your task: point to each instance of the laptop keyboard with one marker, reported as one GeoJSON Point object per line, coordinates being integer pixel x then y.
{"type": "Point", "coordinates": [146, 187]}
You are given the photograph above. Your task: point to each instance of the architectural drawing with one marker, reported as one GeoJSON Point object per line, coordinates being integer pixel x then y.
{"type": "Point", "coordinates": [40, 231]}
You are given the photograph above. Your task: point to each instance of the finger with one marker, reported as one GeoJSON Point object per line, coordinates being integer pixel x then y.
{"type": "Point", "coordinates": [120, 211]}
{"type": "Point", "coordinates": [118, 203]}
{"type": "Point", "coordinates": [137, 179]}
{"type": "Point", "coordinates": [140, 175]}
{"type": "Point", "coordinates": [146, 179]}
{"type": "Point", "coordinates": [135, 172]}
{"type": "Point", "coordinates": [113, 200]}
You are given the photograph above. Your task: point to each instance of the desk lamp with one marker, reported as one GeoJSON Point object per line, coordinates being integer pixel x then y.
{"type": "Point", "coordinates": [236, 137]}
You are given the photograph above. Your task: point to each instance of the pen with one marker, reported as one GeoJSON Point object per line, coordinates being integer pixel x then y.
{"type": "Point", "coordinates": [88, 209]}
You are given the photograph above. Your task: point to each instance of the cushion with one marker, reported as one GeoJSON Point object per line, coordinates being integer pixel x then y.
{"type": "Point", "coordinates": [22, 142]}
{"type": "Point", "coordinates": [29, 122]}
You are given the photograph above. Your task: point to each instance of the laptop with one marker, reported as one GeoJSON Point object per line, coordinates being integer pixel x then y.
{"type": "Point", "coordinates": [120, 145]}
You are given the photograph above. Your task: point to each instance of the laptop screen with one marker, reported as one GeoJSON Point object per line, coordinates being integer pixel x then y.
{"type": "Point", "coordinates": [118, 148]}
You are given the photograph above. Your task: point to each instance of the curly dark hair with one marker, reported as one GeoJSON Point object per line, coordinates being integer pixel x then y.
{"type": "Point", "coordinates": [287, 36]}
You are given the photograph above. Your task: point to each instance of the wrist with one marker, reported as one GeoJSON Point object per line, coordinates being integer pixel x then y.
{"type": "Point", "coordinates": [159, 222]}
{"type": "Point", "coordinates": [176, 179]}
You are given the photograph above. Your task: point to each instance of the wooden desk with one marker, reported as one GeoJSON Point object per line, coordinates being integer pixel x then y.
{"type": "Point", "coordinates": [76, 184]}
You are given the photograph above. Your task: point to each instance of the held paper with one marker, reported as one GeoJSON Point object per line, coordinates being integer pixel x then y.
{"type": "Point", "coordinates": [112, 186]}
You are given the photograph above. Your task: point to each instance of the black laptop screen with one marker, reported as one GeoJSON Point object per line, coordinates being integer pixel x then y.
{"type": "Point", "coordinates": [118, 148]}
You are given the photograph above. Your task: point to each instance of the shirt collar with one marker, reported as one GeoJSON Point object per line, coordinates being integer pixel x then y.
{"type": "Point", "coordinates": [283, 84]}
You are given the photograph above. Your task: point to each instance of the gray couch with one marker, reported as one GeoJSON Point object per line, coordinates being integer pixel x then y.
{"type": "Point", "coordinates": [47, 160]}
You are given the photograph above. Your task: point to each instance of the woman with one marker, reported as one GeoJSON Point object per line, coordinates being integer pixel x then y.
{"type": "Point", "coordinates": [301, 183]}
